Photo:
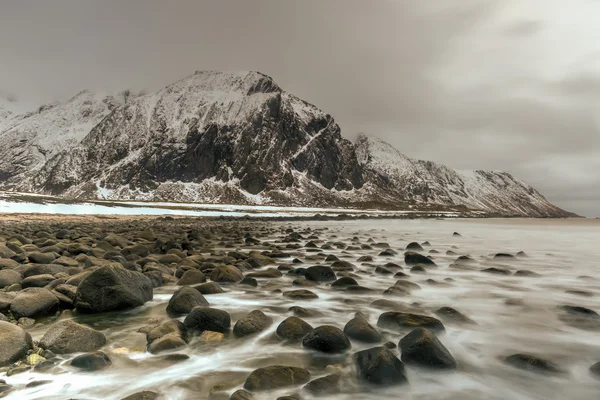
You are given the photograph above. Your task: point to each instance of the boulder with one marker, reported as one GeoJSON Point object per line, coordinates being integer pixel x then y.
{"type": "Point", "coordinates": [34, 303]}
{"type": "Point", "coordinates": [207, 319]}
{"type": "Point", "coordinates": [300, 294]}
{"type": "Point", "coordinates": [191, 277]}
{"type": "Point", "coordinates": [66, 337]}
{"type": "Point", "coordinates": [91, 361]}
{"type": "Point", "coordinates": [595, 370]}
{"type": "Point", "coordinates": [209, 288]}
{"type": "Point", "coordinates": [37, 280]}
{"type": "Point", "coordinates": [9, 277]}
{"type": "Point", "coordinates": [532, 363]}
{"type": "Point", "coordinates": [320, 273]}
{"type": "Point", "coordinates": [293, 329]}
{"type": "Point", "coordinates": [41, 258]}
{"type": "Point", "coordinates": [15, 342]}
{"type": "Point", "coordinates": [359, 329]}
{"type": "Point", "coordinates": [252, 323]}
{"type": "Point", "coordinates": [276, 377]}
{"type": "Point", "coordinates": [268, 273]}
{"type": "Point", "coordinates": [452, 315]}
{"type": "Point", "coordinates": [344, 281]}
{"type": "Point", "coordinates": [326, 385]}
{"type": "Point", "coordinates": [421, 347]}
{"type": "Point", "coordinates": [327, 339]}
{"type": "Point", "coordinates": [184, 300]}
{"type": "Point", "coordinates": [379, 366]}
{"type": "Point", "coordinates": [111, 288]}
{"type": "Point", "coordinates": [226, 274]}
{"type": "Point", "coordinates": [411, 258]}
{"type": "Point", "coordinates": [399, 321]}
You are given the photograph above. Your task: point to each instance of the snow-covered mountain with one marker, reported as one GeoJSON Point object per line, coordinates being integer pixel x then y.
{"type": "Point", "coordinates": [425, 182]}
{"type": "Point", "coordinates": [230, 137]}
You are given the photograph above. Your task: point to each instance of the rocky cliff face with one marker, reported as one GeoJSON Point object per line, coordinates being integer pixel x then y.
{"type": "Point", "coordinates": [230, 137]}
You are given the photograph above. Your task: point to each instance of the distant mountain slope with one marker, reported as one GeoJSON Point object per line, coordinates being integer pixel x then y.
{"type": "Point", "coordinates": [425, 182]}
{"type": "Point", "coordinates": [231, 138]}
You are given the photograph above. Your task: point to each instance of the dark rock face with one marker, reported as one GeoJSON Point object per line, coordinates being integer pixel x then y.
{"type": "Point", "coordinates": [276, 377]}
{"type": "Point", "coordinates": [401, 320]}
{"type": "Point", "coordinates": [241, 394]}
{"type": "Point", "coordinates": [226, 274]}
{"type": "Point", "coordinates": [207, 319]}
{"type": "Point", "coordinates": [70, 337]}
{"type": "Point", "coordinates": [184, 300]}
{"type": "Point", "coordinates": [252, 323]}
{"type": "Point", "coordinates": [112, 287]}
{"type": "Point", "coordinates": [34, 303]}
{"type": "Point", "coordinates": [169, 335]}
{"type": "Point", "coordinates": [595, 370]}
{"type": "Point", "coordinates": [326, 339]}
{"type": "Point", "coordinates": [191, 277]}
{"type": "Point", "coordinates": [379, 366]}
{"type": "Point", "coordinates": [532, 363]}
{"type": "Point", "coordinates": [91, 361]}
{"type": "Point", "coordinates": [411, 258]}
{"type": "Point", "coordinates": [14, 343]}
{"type": "Point", "coordinates": [421, 347]}
{"type": "Point", "coordinates": [359, 329]}
{"type": "Point", "coordinates": [326, 385]}
{"type": "Point", "coordinates": [320, 273]}
{"type": "Point", "coordinates": [293, 329]}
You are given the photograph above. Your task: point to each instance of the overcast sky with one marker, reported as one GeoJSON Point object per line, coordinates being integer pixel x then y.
{"type": "Point", "coordinates": [509, 85]}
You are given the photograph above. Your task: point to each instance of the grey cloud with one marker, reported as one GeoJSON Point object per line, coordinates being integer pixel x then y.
{"type": "Point", "coordinates": [444, 81]}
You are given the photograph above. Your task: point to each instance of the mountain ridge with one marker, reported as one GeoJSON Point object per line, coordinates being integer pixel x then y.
{"type": "Point", "coordinates": [235, 138]}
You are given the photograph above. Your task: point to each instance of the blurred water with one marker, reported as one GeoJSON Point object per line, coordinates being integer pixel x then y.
{"type": "Point", "coordinates": [561, 251]}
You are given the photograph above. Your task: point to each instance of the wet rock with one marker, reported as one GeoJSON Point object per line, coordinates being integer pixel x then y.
{"type": "Point", "coordinates": [496, 271]}
{"type": "Point", "coordinates": [252, 323]}
{"type": "Point", "coordinates": [66, 337]}
{"type": "Point", "coordinates": [383, 270]}
{"type": "Point", "coordinates": [359, 329]}
{"type": "Point", "coordinates": [9, 277]}
{"type": "Point", "coordinates": [37, 281]}
{"type": "Point", "coordinates": [241, 394]}
{"type": "Point", "coordinates": [414, 246]}
{"type": "Point", "coordinates": [15, 342]}
{"type": "Point", "coordinates": [580, 317]}
{"type": "Point", "coordinates": [399, 321]}
{"type": "Point", "coordinates": [452, 315]}
{"type": "Point", "coordinates": [91, 361]}
{"type": "Point", "coordinates": [343, 282]}
{"type": "Point", "coordinates": [504, 257]}
{"type": "Point", "coordinates": [300, 294]}
{"type": "Point", "coordinates": [41, 258]}
{"type": "Point", "coordinates": [184, 300]}
{"type": "Point", "coordinates": [303, 312]}
{"type": "Point", "coordinates": [276, 377]}
{"type": "Point", "coordinates": [411, 258]}
{"type": "Point", "coordinates": [207, 319]}
{"type": "Point", "coordinates": [111, 288]}
{"type": "Point", "coordinates": [326, 385]}
{"type": "Point", "coordinates": [342, 266]}
{"type": "Point", "coordinates": [226, 274]}
{"type": "Point", "coordinates": [595, 370]}
{"type": "Point", "coordinates": [532, 363]}
{"type": "Point", "coordinates": [418, 269]}
{"type": "Point", "coordinates": [320, 273]}
{"type": "Point", "coordinates": [379, 366]}
{"type": "Point", "coordinates": [191, 277]}
{"type": "Point", "coordinates": [268, 273]}
{"type": "Point", "coordinates": [145, 395]}
{"type": "Point", "coordinates": [388, 253]}
{"type": "Point", "coordinates": [34, 303]}
{"type": "Point", "coordinates": [293, 329]}
{"type": "Point", "coordinates": [249, 281]}
{"type": "Point", "coordinates": [526, 273]}
{"type": "Point", "coordinates": [209, 288]}
{"type": "Point", "coordinates": [421, 347]}
{"type": "Point", "coordinates": [327, 339]}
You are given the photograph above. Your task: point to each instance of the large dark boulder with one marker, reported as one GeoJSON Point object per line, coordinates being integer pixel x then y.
{"type": "Point", "coordinates": [293, 329]}
{"type": "Point", "coordinates": [379, 366]}
{"type": "Point", "coordinates": [421, 347]}
{"type": "Point", "coordinates": [359, 329]}
{"type": "Point", "coordinates": [91, 361]}
{"type": "Point", "coordinates": [191, 277]}
{"type": "Point", "coordinates": [209, 288]}
{"type": "Point", "coordinates": [276, 377]}
{"type": "Point", "coordinates": [399, 321]}
{"type": "Point", "coordinates": [226, 274]}
{"type": "Point", "coordinates": [112, 287]}
{"type": "Point", "coordinates": [34, 303]}
{"type": "Point", "coordinates": [320, 273]}
{"type": "Point", "coordinates": [202, 319]}
{"type": "Point", "coordinates": [326, 339]}
{"type": "Point", "coordinates": [252, 323]}
{"type": "Point", "coordinates": [70, 337]}
{"type": "Point", "coordinates": [14, 343]}
{"type": "Point", "coordinates": [532, 363]}
{"type": "Point", "coordinates": [37, 280]}
{"type": "Point", "coordinates": [411, 258]}
{"type": "Point", "coordinates": [184, 300]}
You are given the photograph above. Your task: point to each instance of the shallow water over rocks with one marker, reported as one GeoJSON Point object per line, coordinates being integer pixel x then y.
{"type": "Point", "coordinates": [506, 314]}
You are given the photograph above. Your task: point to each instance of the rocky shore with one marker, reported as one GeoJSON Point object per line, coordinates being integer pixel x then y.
{"type": "Point", "coordinates": [90, 296]}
